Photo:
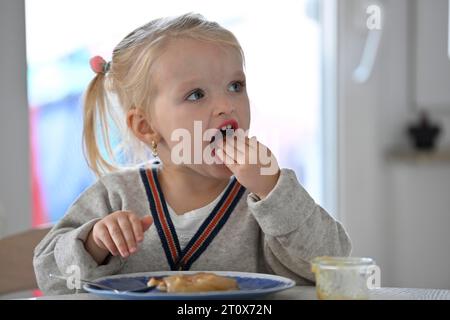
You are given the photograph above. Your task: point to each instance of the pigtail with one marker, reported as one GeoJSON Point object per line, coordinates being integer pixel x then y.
{"type": "Point", "coordinates": [95, 113]}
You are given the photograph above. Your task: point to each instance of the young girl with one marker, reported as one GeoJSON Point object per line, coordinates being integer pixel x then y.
{"type": "Point", "coordinates": [169, 75]}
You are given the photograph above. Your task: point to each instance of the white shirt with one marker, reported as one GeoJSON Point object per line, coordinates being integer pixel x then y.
{"type": "Point", "coordinates": [187, 224]}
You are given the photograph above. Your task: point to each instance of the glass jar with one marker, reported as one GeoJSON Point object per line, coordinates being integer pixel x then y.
{"type": "Point", "coordinates": [342, 278]}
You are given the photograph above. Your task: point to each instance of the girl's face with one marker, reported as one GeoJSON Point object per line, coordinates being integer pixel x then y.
{"type": "Point", "coordinates": [198, 81]}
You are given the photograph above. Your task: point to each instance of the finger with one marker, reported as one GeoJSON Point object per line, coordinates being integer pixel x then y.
{"type": "Point", "coordinates": [136, 225]}
{"type": "Point", "coordinates": [146, 222]}
{"type": "Point", "coordinates": [238, 143]}
{"type": "Point", "coordinates": [225, 158]}
{"type": "Point", "coordinates": [128, 233]}
{"type": "Point", "coordinates": [106, 241]}
{"type": "Point", "coordinates": [219, 143]}
{"type": "Point", "coordinates": [241, 144]}
{"type": "Point", "coordinates": [116, 234]}
{"type": "Point", "coordinates": [252, 142]}
{"type": "Point", "coordinates": [236, 149]}
{"type": "Point", "coordinates": [258, 151]}
{"type": "Point", "coordinates": [248, 149]}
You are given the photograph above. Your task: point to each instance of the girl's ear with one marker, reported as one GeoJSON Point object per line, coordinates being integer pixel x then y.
{"type": "Point", "coordinates": [141, 126]}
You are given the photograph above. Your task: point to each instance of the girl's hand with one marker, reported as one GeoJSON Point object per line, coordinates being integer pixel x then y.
{"type": "Point", "coordinates": [252, 163]}
{"type": "Point", "coordinates": [118, 233]}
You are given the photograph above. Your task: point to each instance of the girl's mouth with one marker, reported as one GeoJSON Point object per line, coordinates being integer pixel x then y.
{"type": "Point", "coordinates": [223, 132]}
{"type": "Point", "coordinates": [227, 128]}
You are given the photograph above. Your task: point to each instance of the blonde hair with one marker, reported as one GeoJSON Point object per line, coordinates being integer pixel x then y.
{"type": "Point", "coordinates": [129, 79]}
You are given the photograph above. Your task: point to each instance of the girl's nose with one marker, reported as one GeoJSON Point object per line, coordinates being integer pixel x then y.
{"type": "Point", "coordinates": [224, 106]}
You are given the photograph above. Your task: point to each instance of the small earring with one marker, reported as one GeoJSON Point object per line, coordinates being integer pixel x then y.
{"type": "Point", "coordinates": [154, 151]}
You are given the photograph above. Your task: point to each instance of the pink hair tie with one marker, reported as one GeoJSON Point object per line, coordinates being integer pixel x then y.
{"type": "Point", "coordinates": [99, 65]}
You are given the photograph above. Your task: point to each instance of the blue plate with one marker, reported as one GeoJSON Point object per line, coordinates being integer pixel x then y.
{"type": "Point", "coordinates": [251, 286]}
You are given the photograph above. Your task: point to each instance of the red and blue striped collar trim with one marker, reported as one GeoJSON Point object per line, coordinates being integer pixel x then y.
{"type": "Point", "coordinates": [183, 259]}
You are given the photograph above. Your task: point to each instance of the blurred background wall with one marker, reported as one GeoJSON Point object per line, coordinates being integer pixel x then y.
{"type": "Point", "coordinates": [15, 182]}
{"type": "Point", "coordinates": [396, 208]}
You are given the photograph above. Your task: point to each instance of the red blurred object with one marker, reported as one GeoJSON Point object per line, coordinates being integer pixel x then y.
{"type": "Point", "coordinates": [37, 293]}
{"type": "Point", "coordinates": [39, 215]}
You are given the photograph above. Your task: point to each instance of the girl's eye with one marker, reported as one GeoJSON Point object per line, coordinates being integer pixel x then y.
{"type": "Point", "coordinates": [239, 85]}
{"type": "Point", "coordinates": [196, 94]}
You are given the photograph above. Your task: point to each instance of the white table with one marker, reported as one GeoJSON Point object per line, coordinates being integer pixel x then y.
{"type": "Point", "coordinates": [309, 293]}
